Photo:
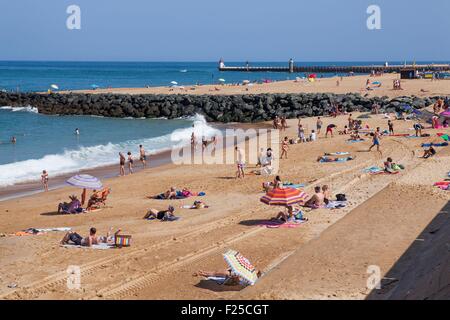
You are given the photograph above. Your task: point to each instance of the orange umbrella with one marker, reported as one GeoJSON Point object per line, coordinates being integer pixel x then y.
{"type": "Point", "coordinates": [284, 197]}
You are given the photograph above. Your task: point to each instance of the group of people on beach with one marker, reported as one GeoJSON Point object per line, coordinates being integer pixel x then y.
{"type": "Point", "coordinates": [130, 161]}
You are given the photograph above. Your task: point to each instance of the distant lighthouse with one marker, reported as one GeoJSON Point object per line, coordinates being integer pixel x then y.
{"type": "Point", "coordinates": [221, 63]}
{"type": "Point", "coordinates": [291, 65]}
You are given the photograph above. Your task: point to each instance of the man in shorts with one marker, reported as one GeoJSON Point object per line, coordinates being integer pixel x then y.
{"type": "Point", "coordinates": [142, 156]}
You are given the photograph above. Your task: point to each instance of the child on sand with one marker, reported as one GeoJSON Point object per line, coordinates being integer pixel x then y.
{"type": "Point", "coordinates": [391, 127]}
{"type": "Point", "coordinates": [44, 180]}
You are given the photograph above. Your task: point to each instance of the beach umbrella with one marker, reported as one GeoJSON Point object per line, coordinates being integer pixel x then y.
{"type": "Point", "coordinates": [221, 80]}
{"type": "Point", "coordinates": [54, 86]}
{"type": "Point", "coordinates": [283, 197]}
{"type": "Point", "coordinates": [245, 81]}
{"type": "Point", "coordinates": [85, 181]}
{"type": "Point", "coordinates": [94, 86]}
{"type": "Point", "coordinates": [446, 137]}
{"type": "Point", "coordinates": [241, 266]}
{"type": "Point", "coordinates": [174, 83]}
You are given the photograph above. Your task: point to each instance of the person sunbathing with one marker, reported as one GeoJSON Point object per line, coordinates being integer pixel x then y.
{"type": "Point", "coordinates": [226, 277]}
{"type": "Point", "coordinates": [74, 206]}
{"type": "Point", "coordinates": [169, 194]}
{"type": "Point", "coordinates": [317, 200]}
{"type": "Point", "coordinates": [429, 152]}
{"type": "Point", "coordinates": [199, 205]}
{"type": "Point", "coordinates": [330, 159]}
{"type": "Point", "coordinates": [162, 215]}
{"type": "Point", "coordinates": [76, 239]}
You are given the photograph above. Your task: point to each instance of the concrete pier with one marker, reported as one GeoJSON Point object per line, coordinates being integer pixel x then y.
{"type": "Point", "coordinates": [291, 68]}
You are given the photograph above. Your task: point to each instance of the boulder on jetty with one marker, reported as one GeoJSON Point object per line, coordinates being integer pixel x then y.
{"type": "Point", "coordinates": [217, 108]}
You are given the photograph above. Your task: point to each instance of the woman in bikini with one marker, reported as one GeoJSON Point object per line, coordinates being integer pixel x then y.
{"type": "Point", "coordinates": [122, 164]}
{"type": "Point", "coordinates": [130, 162]}
{"type": "Point", "coordinates": [284, 147]}
{"type": "Point", "coordinates": [44, 180]}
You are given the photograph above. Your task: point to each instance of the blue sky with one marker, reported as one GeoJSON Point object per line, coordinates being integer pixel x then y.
{"type": "Point", "coordinates": [238, 30]}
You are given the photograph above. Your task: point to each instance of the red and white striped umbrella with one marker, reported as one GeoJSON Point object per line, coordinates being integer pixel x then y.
{"type": "Point", "coordinates": [284, 197]}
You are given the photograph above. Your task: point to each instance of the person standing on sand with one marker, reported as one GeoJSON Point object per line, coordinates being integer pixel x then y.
{"type": "Point", "coordinates": [391, 127]}
{"type": "Point", "coordinates": [142, 156]}
{"type": "Point", "coordinates": [284, 147]}
{"type": "Point", "coordinates": [44, 180]}
{"type": "Point", "coordinates": [330, 130]}
{"type": "Point", "coordinates": [130, 163]}
{"type": "Point", "coordinates": [122, 164]}
{"type": "Point", "coordinates": [283, 123]}
{"type": "Point", "coordinates": [193, 139]}
{"type": "Point", "coordinates": [376, 137]}
{"type": "Point", "coordinates": [240, 163]}
{"type": "Point", "coordinates": [319, 125]}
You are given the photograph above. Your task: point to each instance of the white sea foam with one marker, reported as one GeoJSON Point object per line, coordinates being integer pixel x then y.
{"type": "Point", "coordinates": [21, 109]}
{"type": "Point", "coordinates": [96, 156]}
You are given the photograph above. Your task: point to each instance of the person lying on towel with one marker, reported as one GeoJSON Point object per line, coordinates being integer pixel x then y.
{"type": "Point", "coordinates": [330, 159]}
{"type": "Point", "coordinates": [162, 215]}
{"type": "Point", "coordinates": [74, 238]}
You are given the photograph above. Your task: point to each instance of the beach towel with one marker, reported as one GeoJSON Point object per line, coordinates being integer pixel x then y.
{"type": "Point", "coordinates": [173, 218]}
{"type": "Point", "coordinates": [280, 224]}
{"type": "Point", "coordinates": [337, 160]}
{"type": "Point", "coordinates": [443, 185]}
{"type": "Point", "coordinates": [337, 153]}
{"type": "Point", "coordinates": [336, 204]}
{"type": "Point", "coordinates": [38, 231]}
{"type": "Point", "coordinates": [295, 186]}
{"type": "Point", "coordinates": [385, 172]}
{"type": "Point", "coordinates": [373, 170]}
{"type": "Point", "coordinates": [100, 246]}
{"type": "Point", "coordinates": [412, 137]}
{"type": "Point", "coordinates": [443, 144]}
{"type": "Point", "coordinates": [355, 141]}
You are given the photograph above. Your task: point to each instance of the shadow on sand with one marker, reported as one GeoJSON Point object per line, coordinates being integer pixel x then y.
{"type": "Point", "coordinates": [422, 272]}
{"type": "Point", "coordinates": [214, 286]}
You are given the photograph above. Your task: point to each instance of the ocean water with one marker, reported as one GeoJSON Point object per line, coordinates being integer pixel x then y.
{"type": "Point", "coordinates": [50, 143]}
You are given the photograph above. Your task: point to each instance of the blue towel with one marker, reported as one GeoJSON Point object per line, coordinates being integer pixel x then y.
{"type": "Point", "coordinates": [354, 141]}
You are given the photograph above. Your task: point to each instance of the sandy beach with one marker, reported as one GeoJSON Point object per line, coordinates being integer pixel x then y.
{"type": "Point", "coordinates": [325, 258]}
{"type": "Point", "coordinates": [354, 84]}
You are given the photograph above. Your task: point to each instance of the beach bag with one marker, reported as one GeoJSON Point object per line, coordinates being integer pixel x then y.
{"type": "Point", "coordinates": [122, 240]}
{"type": "Point", "coordinates": [341, 197]}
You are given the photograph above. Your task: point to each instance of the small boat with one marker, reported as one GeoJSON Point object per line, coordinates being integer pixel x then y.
{"type": "Point", "coordinates": [183, 70]}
